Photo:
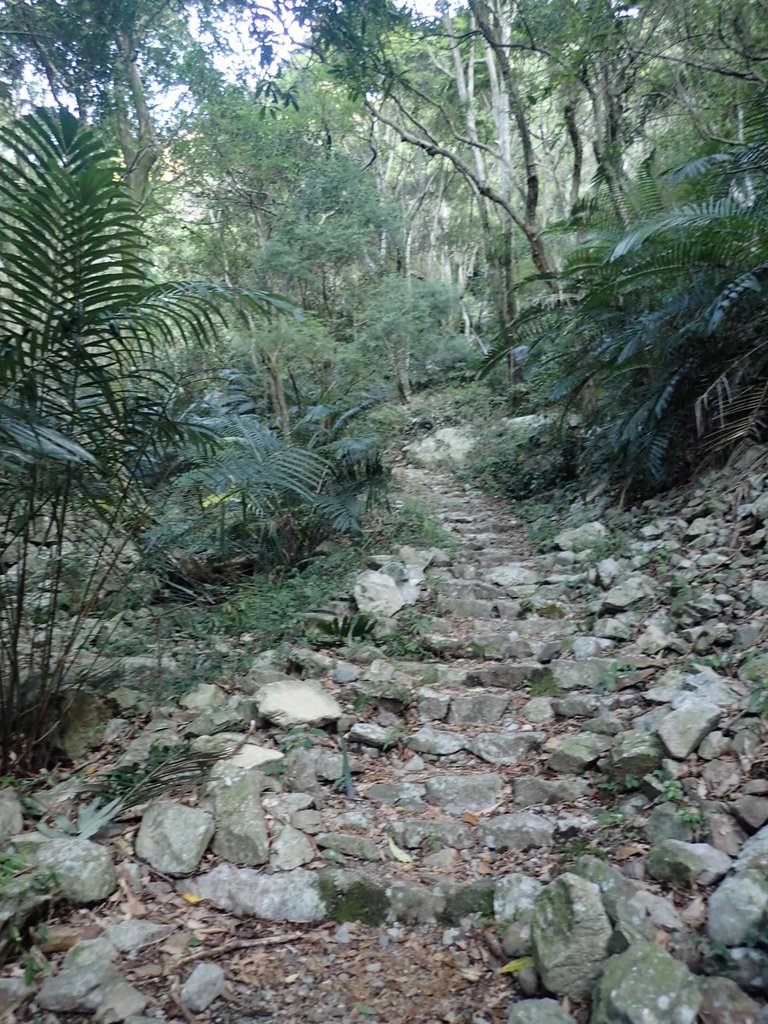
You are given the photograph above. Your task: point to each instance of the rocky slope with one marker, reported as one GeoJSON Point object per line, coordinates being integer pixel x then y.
{"type": "Point", "coordinates": [557, 813]}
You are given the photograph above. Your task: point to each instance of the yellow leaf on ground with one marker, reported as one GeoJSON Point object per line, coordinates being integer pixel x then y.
{"type": "Point", "coordinates": [398, 854]}
{"type": "Point", "coordinates": [191, 897]}
{"type": "Point", "coordinates": [518, 964]}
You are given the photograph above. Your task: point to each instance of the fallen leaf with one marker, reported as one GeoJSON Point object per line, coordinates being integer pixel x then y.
{"type": "Point", "coordinates": [470, 819]}
{"type": "Point", "coordinates": [520, 963]}
{"type": "Point", "coordinates": [191, 897]}
{"type": "Point", "coordinates": [398, 854]}
{"type": "Point", "coordinates": [627, 852]}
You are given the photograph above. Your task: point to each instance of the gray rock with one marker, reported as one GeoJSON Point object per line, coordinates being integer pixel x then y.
{"type": "Point", "coordinates": [675, 861]}
{"type": "Point", "coordinates": [298, 702]}
{"type": "Point", "coordinates": [585, 647]}
{"type": "Point", "coordinates": [12, 992]}
{"type": "Point", "coordinates": [376, 593]}
{"type": "Point", "coordinates": [531, 790]}
{"type": "Point", "coordinates": [574, 754]}
{"type": "Point", "coordinates": [84, 870]}
{"type": "Point", "coordinates": [372, 735]}
{"type": "Point", "coordinates": [665, 822]}
{"type": "Point", "coordinates": [288, 896]}
{"type": "Point", "coordinates": [524, 831]}
{"type": "Point", "coordinates": [290, 849]}
{"type": "Point", "coordinates": [411, 903]}
{"type": "Point", "coordinates": [478, 708]}
{"type": "Point", "coordinates": [345, 672]}
{"type": "Point", "coordinates": [576, 706]}
{"type": "Point", "coordinates": [204, 985]}
{"type": "Point", "coordinates": [241, 829]}
{"type": "Point", "coordinates": [85, 977]}
{"type": "Point", "coordinates": [11, 818]}
{"type": "Point", "coordinates": [411, 833]}
{"type": "Point", "coordinates": [682, 730]}
{"type": "Point", "coordinates": [350, 846]}
{"type": "Point", "coordinates": [723, 1002]}
{"type": "Point", "coordinates": [449, 445]}
{"type": "Point", "coordinates": [506, 747]}
{"type": "Point", "coordinates": [581, 538]}
{"type": "Point", "coordinates": [613, 885]}
{"type": "Point", "coordinates": [641, 917]}
{"type": "Point", "coordinates": [121, 1002]}
{"type": "Point", "coordinates": [435, 741]}
{"type": "Point", "coordinates": [173, 837]}
{"type": "Point", "coordinates": [631, 591]}
{"type": "Point", "coordinates": [513, 901]}
{"type": "Point", "coordinates": [458, 793]}
{"type": "Point", "coordinates": [635, 753]}
{"type": "Point", "coordinates": [538, 709]}
{"type": "Point", "coordinates": [397, 794]}
{"type": "Point", "coordinates": [755, 852]}
{"type": "Point", "coordinates": [134, 935]}
{"type": "Point", "coordinates": [538, 1011]}
{"type": "Point", "coordinates": [432, 705]}
{"type": "Point", "coordinates": [738, 908]}
{"type": "Point", "coordinates": [570, 932]}
{"type": "Point", "coordinates": [752, 810]}
{"type": "Point", "coordinates": [645, 985]}
{"type": "Point", "coordinates": [512, 575]}
{"type": "Point", "coordinates": [203, 697]}
{"type": "Point", "coordinates": [582, 675]}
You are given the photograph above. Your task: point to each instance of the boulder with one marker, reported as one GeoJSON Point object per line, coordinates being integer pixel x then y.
{"type": "Point", "coordinates": [204, 985]}
{"type": "Point", "coordinates": [173, 837]}
{"type": "Point", "coordinates": [682, 730]}
{"type": "Point", "coordinates": [376, 593]}
{"type": "Point", "coordinates": [524, 831]}
{"type": "Point", "coordinates": [645, 985]}
{"type": "Point", "coordinates": [570, 931]}
{"type": "Point", "coordinates": [287, 896]}
{"type": "Point", "coordinates": [738, 908]}
{"type": "Point", "coordinates": [581, 538]}
{"type": "Point", "coordinates": [298, 702]}
{"type": "Point", "coordinates": [679, 862]}
{"type": "Point", "coordinates": [241, 828]}
{"type": "Point", "coordinates": [538, 1011]}
{"type": "Point", "coordinates": [459, 793]}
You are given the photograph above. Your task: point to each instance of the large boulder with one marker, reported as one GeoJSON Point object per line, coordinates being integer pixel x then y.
{"type": "Point", "coordinates": [570, 931]}
{"type": "Point", "coordinates": [450, 445]}
{"type": "Point", "coordinates": [645, 985]}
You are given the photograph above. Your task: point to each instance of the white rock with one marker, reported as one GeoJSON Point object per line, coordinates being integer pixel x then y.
{"type": "Point", "coordinates": [302, 702]}
{"type": "Point", "coordinates": [376, 593]}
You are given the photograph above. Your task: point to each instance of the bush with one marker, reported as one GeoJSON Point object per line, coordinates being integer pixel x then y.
{"type": "Point", "coordinates": [523, 463]}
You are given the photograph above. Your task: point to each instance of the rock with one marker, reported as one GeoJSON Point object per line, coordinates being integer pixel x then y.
{"type": "Point", "coordinates": [376, 593]}
{"type": "Point", "coordinates": [11, 818]}
{"type": "Point", "coordinates": [372, 735]}
{"type": "Point", "coordinates": [682, 730]}
{"type": "Point", "coordinates": [570, 932]}
{"type": "Point", "coordinates": [241, 828]}
{"type": "Point", "coordinates": [641, 918]}
{"type": "Point", "coordinates": [613, 885]}
{"type": "Point", "coordinates": [458, 793]}
{"type": "Point", "coordinates": [635, 753]}
{"type": "Point", "coordinates": [202, 697]}
{"type": "Point", "coordinates": [121, 1002]}
{"type": "Point", "coordinates": [83, 720]}
{"type": "Point", "coordinates": [738, 908]}
{"type": "Point", "coordinates": [478, 708]}
{"type": "Point", "coordinates": [759, 592]}
{"type": "Point", "coordinates": [752, 810]}
{"type": "Point", "coordinates": [12, 992]}
{"type": "Point", "coordinates": [288, 896]}
{"type": "Point", "coordinates": [84, 870]}
{"type": "Point", "coordinates": [134, 935]}
{"type": "Point", "coordinates": [291, 849]}
{"type": "Point", "coordinates": [512, 575]}
{"type": "Point", "coordinates": [631, 591]}
{"type": "Point", "coordinates": [513, 902]}
{"type": "Point", "coordinates": [84, 980]}
{"type": "Point", "coordinates": [574, 754]}
{"type": "Point", "coordinates": [449, 445]}
{"type": "Point", "coordinates": [432, 705]}
{"type": "Point", "coordinates": [755, 852]}
{"type": "Point", "coordinates": [531, 790]}
{"type": "Point", "coordinates": [251, 755]}
{"type": "Point", "coordinates": [723, 1002]}
{"type": "Point", "coordinates": [586, 647]}
{"type": "Point", "coordinates": [538, 1011]}
{"type": "Point", "coordinates": [645, 985]}
{"type": "Point", "coordinates": [506, 747]}
{"type": "Point", "coordinates": [298, 702]}
{"type": "Point", "coordinates": [397, 794]}
{"type": "Point", "coordinates": [173, 837]}
{"type": "Point", "coordinates": [576, 706]}
{"type": "Point", "coordinates": [414, 832]}
{"type": "Point", "coordinates": [434, 741]}
{"type": "Point", "coordinates": [675, 861]}
{"type": "Point", "coordinates": [524, 831]}
{"type": "Point", "coordinates": [204, 985]}
{"type": "Point", "coordinates": [350, 846]}
{"type": "Point", "coordinates": [582, 538]}
{"type": "Point", "coordinates": [538, 709]}
{"type": "Point", "coordinates": [665, 822]}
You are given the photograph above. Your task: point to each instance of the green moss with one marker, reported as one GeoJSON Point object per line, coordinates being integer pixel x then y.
{"type": "Point", "coordinates": [475, 898]}
{"type": "Point", "coordinates": [360, 901]}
